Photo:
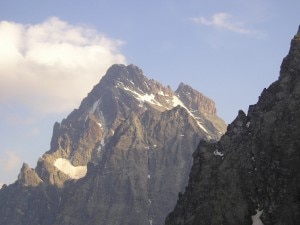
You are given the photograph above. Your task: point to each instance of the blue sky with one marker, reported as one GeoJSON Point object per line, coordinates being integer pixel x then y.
{"type": "Point", "coordinates": [53, 52]}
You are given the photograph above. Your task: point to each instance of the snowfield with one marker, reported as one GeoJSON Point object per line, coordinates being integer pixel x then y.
{"type": "Point", "coordinates": [74, 172]}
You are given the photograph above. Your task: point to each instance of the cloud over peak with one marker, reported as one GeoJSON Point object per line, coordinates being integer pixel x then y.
{"type": "Point", "coordinates": [49, 67]}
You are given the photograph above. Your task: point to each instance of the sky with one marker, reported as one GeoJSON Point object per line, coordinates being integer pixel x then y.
{"type": "Point", "coordinates": [53, 52]}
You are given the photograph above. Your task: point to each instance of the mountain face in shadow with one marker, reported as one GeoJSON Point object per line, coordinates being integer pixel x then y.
{"type": "Point", "coordinates": [252, 175]}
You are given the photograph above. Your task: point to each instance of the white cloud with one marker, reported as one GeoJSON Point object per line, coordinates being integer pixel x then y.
{"type": "Point", "coordinates": [10, 161]}
{"type": "Point", "coordinates": [225, 21]}
{"type": "Point", "coordinates": [50, 67]}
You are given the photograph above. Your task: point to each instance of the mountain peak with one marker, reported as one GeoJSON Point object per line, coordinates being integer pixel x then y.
{"type": "Point", "coordinates": [298, 33]}
{"type": "Point", "coordinates": [195, 100]}
{"type": "Point", "coordinates": [120, 158]}
{"type": "Point", "coordinates": [28, 176]}
{"type": "Point", "coordinates": [121, 73]}
{"type": "Point", "coordinates": [291, 63]}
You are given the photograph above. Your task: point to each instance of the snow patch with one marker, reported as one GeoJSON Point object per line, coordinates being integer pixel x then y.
{"type": "Point", "coordinates": [99, 149]}
{"type": "Point", "coordinates": [74, 172]}
{"type": "Point", "coordinates": [176, 101]}
{"type": "Point", "coordinates": [256, 218]}
{"type": "Point", "coordinates": [102, 142]}
{"type": "Point", "coordinates": [94, 107]}
{"type": "Point", "coordinates": [216, 152]}
{"type": "Point", "coordinates": [163, 94]}
{"type": "Point", "coordinates": [202, 127]}
{"type": "Point", "coordinates": [150, 222]}
{"type": "Point", "coordinates": [119, 84]}
{"type": "Point", "coordinates": [248, 124]}
{"type": "Point", "coordinates": [100, 125]}
{"type": "Point", "coordinates": [144, 98]}
{"type": "Point", "coordinates": [149, 176]}
{"type": "Point", "coordinates": [146, 84]}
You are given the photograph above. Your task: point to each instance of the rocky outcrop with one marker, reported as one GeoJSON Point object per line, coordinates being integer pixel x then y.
{"type": "Point", "coordinates": [120, 158]}
{"type": "Point", "coordinates": [195, 100]}
{"type": "Point", "coordinates": [137, 179]}
{"type": "Point", "coordinates": [28, 176]}
{"type": "Point", "coordinates": [200, 105]}
{"type": "Point", "coordinates": [251, 176]}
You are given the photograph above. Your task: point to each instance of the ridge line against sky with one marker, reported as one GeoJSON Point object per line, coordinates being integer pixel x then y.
{"type": "Point", "coordinates": [50, 59]}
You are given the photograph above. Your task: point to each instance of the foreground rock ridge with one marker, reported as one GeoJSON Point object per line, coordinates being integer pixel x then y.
{"type": "Point", "coordinates": [252, 175]}
{"type": "Point", "coordinates": [120, 158]}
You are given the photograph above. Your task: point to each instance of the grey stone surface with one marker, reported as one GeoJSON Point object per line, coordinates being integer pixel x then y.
{"type": "Point", "coordinates": [137, 145]}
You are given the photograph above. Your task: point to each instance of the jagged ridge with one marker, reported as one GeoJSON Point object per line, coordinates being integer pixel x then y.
{"type": "Point", "coordinates": [120, 158]}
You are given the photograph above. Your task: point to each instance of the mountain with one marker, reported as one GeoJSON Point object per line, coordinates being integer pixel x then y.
{"type": "Point", "coordinates": [120, 158]}
{"type": "Point", "coordinates": [252, 175]}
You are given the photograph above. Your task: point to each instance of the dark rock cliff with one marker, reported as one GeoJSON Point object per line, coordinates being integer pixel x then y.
{"type": "Point", "coordinates": [252, 175]}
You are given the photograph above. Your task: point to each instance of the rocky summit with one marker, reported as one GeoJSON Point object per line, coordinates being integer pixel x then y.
{"type": "Point", "coordinates": [252, 175]}
{"type": "Point", "coordinates": [120, 158]}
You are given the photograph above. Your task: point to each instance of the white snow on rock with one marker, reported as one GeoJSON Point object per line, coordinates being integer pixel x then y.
{"type": "Point", "coordinates": [131, 82]}
{"type": "Point", "coordinates": [74, 172]}
{"type": "Point", "coordinates": [256, 218]}
{"type": "Point", "coordinates": [177, 101]}
{"type": "Point", "coordinates": [151, 99]}
{"type": "Point", "coordinates": [162, 93]}
{"type": "Point", "coordinates": [144, 98]}
{"type": "Point", "coordinates": [216, 152]}
{"type": "Point", "coordinates": [202, 127]}
{"type": "Point", "coordinates": [94, 107]}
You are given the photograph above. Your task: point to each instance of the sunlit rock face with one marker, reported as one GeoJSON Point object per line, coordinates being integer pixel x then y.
{"type": "Point", "coordinates": [251, 176]}
{"type": "Point", "coordinates": [120, 158]}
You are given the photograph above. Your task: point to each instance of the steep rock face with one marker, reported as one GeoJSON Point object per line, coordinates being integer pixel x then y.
{"type": "Point", "coordinates": [120, 158]}
{"type": "Point", "coordinates": [195, 100]}
{"type": "Point", "coordinates": [251, 176]}
{"type": "Point", "coordinates": [136, 181]}
{"type": "Point", "coordinates": [122, 91]}
{"type": "Point", "coordinates": [30, 202]}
